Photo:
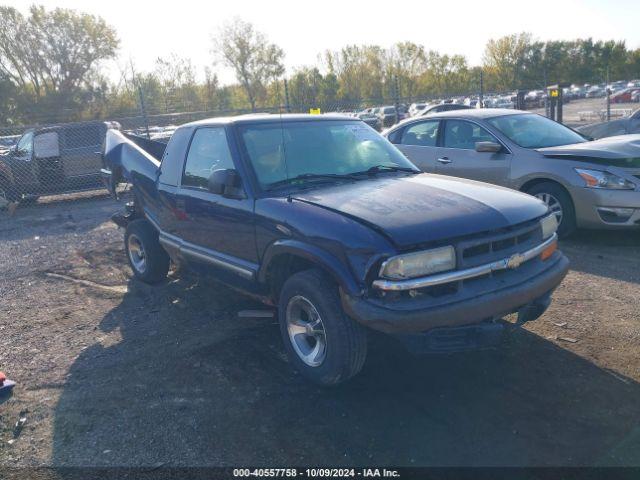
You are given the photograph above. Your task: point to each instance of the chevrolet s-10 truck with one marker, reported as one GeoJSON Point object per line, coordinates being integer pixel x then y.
{"type": "Point", "coordinates": [324, 219]}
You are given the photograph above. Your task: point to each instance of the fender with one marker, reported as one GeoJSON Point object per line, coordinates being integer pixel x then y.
{"type": "Point", "coordinates": [125, 160]}
{"type": "Point", "coordinates": [5, 171]}
{"type": "Point", "coordinates": [541, 176]}
{"type": "Point", "coordinates": [341, 274]}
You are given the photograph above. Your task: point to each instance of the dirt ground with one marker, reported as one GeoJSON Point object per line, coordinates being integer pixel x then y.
{"type": "Point", "coordinates": [112, 372]}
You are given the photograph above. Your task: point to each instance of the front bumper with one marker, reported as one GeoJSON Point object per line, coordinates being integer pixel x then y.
{"type": "Point", "coordinates": [529, 297]}
{"type": "Point", "coordinates": [590, 203]}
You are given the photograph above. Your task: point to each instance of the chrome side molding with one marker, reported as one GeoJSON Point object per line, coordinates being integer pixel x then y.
{"type": "Point", "coordinates": [238, 266]}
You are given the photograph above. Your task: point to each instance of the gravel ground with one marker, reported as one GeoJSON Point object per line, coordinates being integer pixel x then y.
{"type": "Point", "coordinates": [112, 372]}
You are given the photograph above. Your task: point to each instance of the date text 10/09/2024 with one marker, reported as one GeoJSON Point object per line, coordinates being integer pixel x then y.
{"type": "Point", "coordinates": [317, 472]}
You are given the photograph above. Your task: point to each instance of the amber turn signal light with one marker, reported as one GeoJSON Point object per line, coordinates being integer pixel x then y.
{"type": "Point", "coordinates": [547, 252]}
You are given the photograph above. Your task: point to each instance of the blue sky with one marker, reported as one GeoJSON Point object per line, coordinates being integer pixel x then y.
{"type": "Point", "coordinates": [304, 29]}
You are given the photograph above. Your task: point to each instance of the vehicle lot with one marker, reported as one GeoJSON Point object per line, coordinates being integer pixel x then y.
{"type": "Point", "coordinates": [571, 112]}
{"type": "Point", "coordinates": [113, 372]}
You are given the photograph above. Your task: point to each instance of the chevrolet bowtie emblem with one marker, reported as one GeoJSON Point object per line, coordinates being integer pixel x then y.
{"type": "Point", "coordinates": [515, 260]}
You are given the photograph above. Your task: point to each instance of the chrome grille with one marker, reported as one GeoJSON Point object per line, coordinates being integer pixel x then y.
{"type": "Point", "coordinates": [498, 245]}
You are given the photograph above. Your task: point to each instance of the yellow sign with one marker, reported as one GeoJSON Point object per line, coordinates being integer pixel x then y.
{"type": "Point", "coordinates": [314, 111]}
{"type": "Point", "coordinates": [554, 92]}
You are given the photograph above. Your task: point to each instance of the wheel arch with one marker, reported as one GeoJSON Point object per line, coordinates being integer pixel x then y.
{"type": "Point", "coordinates": [532, 182]}
{"type": "Point", "coordinates": [283, 258]}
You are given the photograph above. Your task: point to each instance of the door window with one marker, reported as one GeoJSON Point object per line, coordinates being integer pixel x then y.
{"type": "Point", "coordinates": [209, 151]}
{"type": "Point", "coordinates": [25, 145]}
{"type": "Point", "coordinates": [45, 145]}
{"type": "Point", "coordinates": [464, 135]}
{"type": "Point", "coordinates": [424, 134]}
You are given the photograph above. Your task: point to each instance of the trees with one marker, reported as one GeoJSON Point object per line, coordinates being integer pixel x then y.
{"type": "Point", "coordinates": [52, 53]}
{"type": "Point", "coordinates": [49, 71]}
{"type": "Point", "coordinates": [249, 54]}
{"type": "Point", "coordinates": [507, 60]}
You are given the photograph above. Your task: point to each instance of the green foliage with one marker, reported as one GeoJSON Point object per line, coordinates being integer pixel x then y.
{"type": "Point", "coordinates": [253, 59]}
{"type": "Point", "coordinates": [49, 71]}
{"type": "Point", "coordinates": [51, 56]}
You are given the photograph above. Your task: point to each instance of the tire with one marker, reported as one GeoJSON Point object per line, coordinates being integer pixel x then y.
{"type": "Point", "coordinates": [148, 260]}
{"type": "Point", "coordinates": [553, 194]}
{"type": "Point", "coordinates": [7, 193]}
{"type": "Point", "coordinates": [345, 341]}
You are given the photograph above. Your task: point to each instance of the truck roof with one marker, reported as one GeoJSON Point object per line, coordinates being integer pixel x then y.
{"type": "Point", "coordinates": [270, 118]}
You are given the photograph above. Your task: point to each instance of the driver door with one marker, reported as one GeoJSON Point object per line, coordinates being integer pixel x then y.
{"type": "Point", "coordinates": [218, 231]}
{"type": "Point", "coordinates": [23, 168]}
{"type": "Point", "coordinates": [458, 157]}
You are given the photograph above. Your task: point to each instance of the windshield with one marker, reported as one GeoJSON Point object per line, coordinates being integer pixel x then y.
{"type": "Point", "coordinates": [281, 151]}
{"type": "Point", "coordinates": [535, 131]}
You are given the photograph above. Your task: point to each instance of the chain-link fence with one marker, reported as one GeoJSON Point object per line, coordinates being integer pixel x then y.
{"type": "Point", "coordinates": [51, 158]}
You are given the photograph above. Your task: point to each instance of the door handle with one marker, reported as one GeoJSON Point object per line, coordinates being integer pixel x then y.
{"type": "Point", "coordinates": [444, 160]}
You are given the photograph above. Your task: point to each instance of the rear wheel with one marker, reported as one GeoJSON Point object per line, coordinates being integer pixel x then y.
{"type": "Point", "coordinates": [560, 204]}
{"type": "Point", "coordinates": [322, 341]}
{"type": "Point", "coordinates": [148, 260]}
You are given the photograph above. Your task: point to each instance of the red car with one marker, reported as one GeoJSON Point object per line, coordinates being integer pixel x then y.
{"type": "Point", "coordinates": [624, 96]}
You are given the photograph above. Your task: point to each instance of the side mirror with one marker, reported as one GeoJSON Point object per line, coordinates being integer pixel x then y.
{"type": "Point", "coordinates": [226, 182]}
{"type": "Point", "coordinates": [491, 147]}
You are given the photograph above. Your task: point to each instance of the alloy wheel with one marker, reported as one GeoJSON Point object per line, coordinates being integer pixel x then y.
{"type": "Point", "coordinates": [553, 203]}
{"type": "Point", "coordinates": [306, 331]}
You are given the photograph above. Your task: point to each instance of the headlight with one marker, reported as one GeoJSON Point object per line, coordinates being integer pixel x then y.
{"type": "Point", "coordinates": [600, 179]}
{"type": "Point", "coordinates": [549, 226]}
{"type": "Point", "coordinates": [418, 264]}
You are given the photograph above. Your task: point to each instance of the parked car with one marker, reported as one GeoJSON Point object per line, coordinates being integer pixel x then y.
{"type": "Point", "coordinates": [535, 98]}
{"type": "Point", "coordinates": [388, 116]}
{"type": "Point", "coordinates": [324, 219]}
{"type": "Point", "coordinates": [54, 159]}
{"type": "Point", "coordinates": [370, 118]}
{"type": "Point", "coordinates": [624, 96]}
{"type": "Point", "coordinates": [415, 108]}
{"type": "Point", "coordinates": [621, 126]}
{"type": "Point", "coordinates": [7, 142]}
{"type": "Point", "coordinates": [595, 91]}
{"type": "Point", "coordinates": [577, 91]}
{"type": "Point", "coordinates": [590, 184]}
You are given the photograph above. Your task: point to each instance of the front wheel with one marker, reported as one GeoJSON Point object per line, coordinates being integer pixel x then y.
{"type": "Point", "coordinates": [322, 341]}
{"type": "Point", "coordinates": [148, 260]}
{"type": "Point", "coordinates": [7, 193]}
{"type": "Point", "coordinates": [560, 204]}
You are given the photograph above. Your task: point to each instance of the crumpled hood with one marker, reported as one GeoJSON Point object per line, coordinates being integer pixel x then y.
{"type": "Point", "coordinates": [416, 209]}
{"type": "Point", "coordinates": [625, 147]}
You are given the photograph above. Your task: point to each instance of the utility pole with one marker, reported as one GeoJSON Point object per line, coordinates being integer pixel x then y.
{"type": "Point", "coordinates": [286, 96]}
{"type": "Point", "coordinates": [397, 98]}
{"type": "Point", "coordinates": [143, 110]}
{"type": "Point", "coordinates": [608, 92]}
{"type": "Point", "coordinates": [481, 96]}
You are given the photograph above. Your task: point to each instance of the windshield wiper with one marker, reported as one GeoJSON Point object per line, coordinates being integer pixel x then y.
{"type": "Point", "coordinates": [386, 168]}
{"type": "Point", "coordinates": [310, 176]}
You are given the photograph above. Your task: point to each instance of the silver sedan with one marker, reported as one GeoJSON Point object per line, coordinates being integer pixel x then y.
{"type": "Point", "coordinates": [588, 184]}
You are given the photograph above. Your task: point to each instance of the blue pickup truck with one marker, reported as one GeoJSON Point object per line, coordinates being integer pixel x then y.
{"type": "Point", "coordinates": [324, 219]}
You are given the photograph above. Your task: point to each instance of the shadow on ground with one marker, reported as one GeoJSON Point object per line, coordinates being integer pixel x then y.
{"type": "Point", "coordinates": [191, 384]}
